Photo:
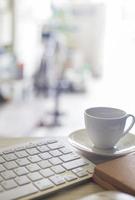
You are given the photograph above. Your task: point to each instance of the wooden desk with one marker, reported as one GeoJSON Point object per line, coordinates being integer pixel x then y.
{"type": "Point", "coordinates": [80, 192]}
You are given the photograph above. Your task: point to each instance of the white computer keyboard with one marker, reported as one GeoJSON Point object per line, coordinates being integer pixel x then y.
{"type": "Point", "coordinates": [39, 168]}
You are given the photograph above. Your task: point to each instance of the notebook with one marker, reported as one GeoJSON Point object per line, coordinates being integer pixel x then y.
{"type": "Point", "coordinates": [117, 174]}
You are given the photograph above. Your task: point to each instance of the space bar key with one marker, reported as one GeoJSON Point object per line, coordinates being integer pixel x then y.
{"type": "Point", "coordinates": [19, 192]}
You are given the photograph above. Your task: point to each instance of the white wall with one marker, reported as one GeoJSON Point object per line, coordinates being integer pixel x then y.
{"type": "Point", "coordinates": [30, 15]}
{"type": "Point", "coordinates": [91, 21]}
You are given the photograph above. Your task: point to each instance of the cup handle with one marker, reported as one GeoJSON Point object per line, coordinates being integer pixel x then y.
{"type": "Point", "coordinates": [132, 123]}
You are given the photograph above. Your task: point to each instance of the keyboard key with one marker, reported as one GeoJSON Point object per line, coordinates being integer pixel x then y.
{"type": "Point", "coordinates": [65, 150]}
{"type": "Point", "coordinates": [21, 154]}
{"type": "Point", "coordinates": [32, 151]}
{"type": "Point", "coordinates": [10, 184]}
{"type": "Point", "coordinates": [19, 148]}
{"type": "Point", "coordinates": [2, 160]}
{"type": "Point", "coordinates": [30, 145]}
{"type": "Point", "coordinates": [2, 168]}
{"type": "Point", "coordinates": [82, 174]}
{"type": "Point", "coordinates": [35, 176]}
{"type": "Point", "coordinates": [42, 143]}
{"type": "Point", "coordinates": [34, 158]}
{"type": "Point", "coordinates": [45, 155]}
{"type": "Point", "coordinates": [55, 146]}
{"type": "Point", "coordinates": [57, 180]}
{"type": "Point", "coordinates": [43, 148]}
{"type": "Point", "coordinates": [55, 161]}
{"type": "Point", "coordinates": [50, 141]}
{"type": "Point", "coordinates": [10, 165]}
{"type": "Point", "coordinates": [91, 170]}
{"type": "Point", "coordinates": [21, 171]}
{"type": "Point", "coordinates": [47, 172]}
{"type": "Point", "coordinates": [8, 174]}
{"type": "Point", "coordinates": [79, 169]}
{"type": "Point", "coordinates": [55, 153]}
{"type": "Point", "coordinates": [10, 157]}
{"type": "Point", "coordinates": [69, 157]}
{"type": "Point", "coordinates": [44, 164]}
{"type": "Point", "coordinates": [23, 161]}
{"type": "Point", "coordinates": [33, 167]}
{"type": "Point", "coordinates": [18, 192]}
{"type": "Point", "coordinates": [74, 164]}
{"type": "Point", "coordinates": [9, 151]}
{"type": "Point", "coordinates": [70, 177]}
{"type": "Point", "coordinates": [22, 180]}
{"type": "Point", "coordinates": [44, 184]}
{"type": "Point", "coordinates": [58, 169]}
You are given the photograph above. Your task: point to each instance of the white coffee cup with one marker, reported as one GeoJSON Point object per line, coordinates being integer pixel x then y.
{"type": "Point", "coordinates": [106, 126]}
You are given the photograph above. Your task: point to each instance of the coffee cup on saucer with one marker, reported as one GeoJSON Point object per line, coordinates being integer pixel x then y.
{"type": "Point", "coordinates": [106, 126]}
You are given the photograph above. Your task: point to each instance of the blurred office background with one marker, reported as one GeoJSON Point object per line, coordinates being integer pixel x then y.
{"type": "Point", "coordinates": [59, 57]}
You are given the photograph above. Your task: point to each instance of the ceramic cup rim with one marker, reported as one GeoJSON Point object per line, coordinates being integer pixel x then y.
{"type": "Point", "coordinates": [121, 116]}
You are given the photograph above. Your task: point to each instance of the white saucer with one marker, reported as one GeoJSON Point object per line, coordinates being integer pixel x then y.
{"type": "Point", "coordinates": [81, 141]}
